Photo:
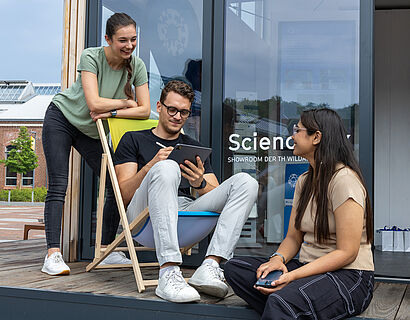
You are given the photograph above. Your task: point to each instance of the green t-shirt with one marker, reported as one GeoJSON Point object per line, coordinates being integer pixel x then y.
{"type": "Point", "coordinates": [111, 84]}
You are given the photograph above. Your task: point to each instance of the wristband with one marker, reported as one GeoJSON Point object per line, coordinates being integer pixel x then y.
{"type": "Point", "coordinates": [203, 185]}
{"type": "Point", "coordinates": [113, 113]}
{"type": "Point", "coordinates": [279, 255]}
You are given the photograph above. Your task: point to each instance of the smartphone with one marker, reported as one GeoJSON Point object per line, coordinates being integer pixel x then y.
{"type": "Point", "coordinates": [267, 281]}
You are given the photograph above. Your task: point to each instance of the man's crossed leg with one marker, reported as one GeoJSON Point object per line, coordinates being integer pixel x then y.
{"type": "Point", "coordinates": [233, 199]}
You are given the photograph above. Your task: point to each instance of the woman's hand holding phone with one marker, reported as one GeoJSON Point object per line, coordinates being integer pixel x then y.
{"type": "Point", "coordinates": [269, 280]}
{"type": "Point", "coordinates": [281, 277]}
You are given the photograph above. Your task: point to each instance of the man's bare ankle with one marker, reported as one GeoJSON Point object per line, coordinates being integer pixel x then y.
{"type": "Point", "coordinates": [217, 259]}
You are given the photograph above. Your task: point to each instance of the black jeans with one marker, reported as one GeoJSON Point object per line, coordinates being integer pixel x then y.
{"type": "Point", "coordinates": [333, 295]}
{"type": "Point", "coordinates": [58, 137]}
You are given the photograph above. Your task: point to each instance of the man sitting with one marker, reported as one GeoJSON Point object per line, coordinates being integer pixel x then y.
{"type": "Point", "coordinates": [148, 179]}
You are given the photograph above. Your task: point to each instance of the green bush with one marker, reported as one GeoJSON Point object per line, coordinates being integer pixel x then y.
{"type": "Point", "coordinates": [4, 195]}
{"type": "Point", "coordinates": [40, 194]}
{"type": "Point", "coordinates": [24, 195]}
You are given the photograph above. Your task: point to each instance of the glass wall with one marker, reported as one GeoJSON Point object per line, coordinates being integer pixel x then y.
{"type": "Point", "coordinates": [282, 57]}
{"type": "Point", "coordinates": [169, 41]}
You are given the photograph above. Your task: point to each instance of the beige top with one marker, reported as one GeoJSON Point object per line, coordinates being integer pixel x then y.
{"type": "Point", "coordinates": [344, 185]}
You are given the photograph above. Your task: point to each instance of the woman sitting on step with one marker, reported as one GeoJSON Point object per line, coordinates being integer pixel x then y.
{"type": "Point", "coordinates": [330, 227]}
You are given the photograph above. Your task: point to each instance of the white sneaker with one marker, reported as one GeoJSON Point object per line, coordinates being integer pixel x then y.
{"type": "Point", "coordinates": [116, 257]}
{"type": "Point", "coordinates": [54, 265]}
{"type": "Point", "coordinates": [210, 280]}
{"type": "Point", "coordinates": [172, 287]}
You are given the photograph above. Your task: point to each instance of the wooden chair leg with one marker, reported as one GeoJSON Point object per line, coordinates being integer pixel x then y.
{"type": "Point", "coordinates": [101, 255]}
{"type": "Point", "coordinates": [126, 227]}
{"type": "Point", "coordinates": [187, 250]}
{"type": "Point", "coordinates": [100, 208]}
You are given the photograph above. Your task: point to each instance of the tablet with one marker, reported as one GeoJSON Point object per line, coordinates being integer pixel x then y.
{"type": "Point", "coordinates": [189, 152]}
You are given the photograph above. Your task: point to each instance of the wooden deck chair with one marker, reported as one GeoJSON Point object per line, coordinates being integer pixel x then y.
{"type": "Point", "coordinates": [205, 220]}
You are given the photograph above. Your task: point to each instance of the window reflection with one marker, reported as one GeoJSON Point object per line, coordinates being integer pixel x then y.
{"type": "Point", "coordinates": [282, 57]}
{"type": "Point", "coordinates": [170, 44]}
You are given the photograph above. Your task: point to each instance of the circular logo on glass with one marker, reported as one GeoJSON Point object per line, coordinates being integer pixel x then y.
{"type": "Point", "coordinates": [173, 31]}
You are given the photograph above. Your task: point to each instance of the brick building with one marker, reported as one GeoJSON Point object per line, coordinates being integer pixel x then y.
{"type": "Point", "coordinates": [23, 103]}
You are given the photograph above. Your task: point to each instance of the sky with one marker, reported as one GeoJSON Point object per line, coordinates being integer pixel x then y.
{"type": "Point", "coordinates": [31, 33]}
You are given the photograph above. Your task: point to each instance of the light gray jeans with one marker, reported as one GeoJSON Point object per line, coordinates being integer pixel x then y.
{"type": "Point", "coordinates": [233, 199]}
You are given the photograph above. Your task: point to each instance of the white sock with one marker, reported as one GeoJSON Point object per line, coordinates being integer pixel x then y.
{"type": "Point", "coordinates": [162, 271]}
{"type": "Point", "coordinates": [211, 262]}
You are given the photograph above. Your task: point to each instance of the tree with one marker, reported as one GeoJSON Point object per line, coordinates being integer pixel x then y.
{"type": "Point", "coordinates": [21, 158]}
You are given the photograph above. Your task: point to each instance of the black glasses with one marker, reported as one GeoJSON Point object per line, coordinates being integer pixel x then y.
{"type": "Point", "coordinates": [172, 111]}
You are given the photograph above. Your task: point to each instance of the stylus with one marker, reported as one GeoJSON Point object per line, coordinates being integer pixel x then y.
{"type": "Point", "coordinates": [160, 144]}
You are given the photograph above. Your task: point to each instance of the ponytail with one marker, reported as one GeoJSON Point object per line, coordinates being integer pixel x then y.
{"type": "Point", "coordinates": [129, 92]}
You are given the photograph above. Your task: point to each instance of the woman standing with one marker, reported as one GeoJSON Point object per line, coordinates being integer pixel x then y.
{"type": "Point", "coordinates": [330, 227]}
{"type": "Point", "coordinates": [103, 89]}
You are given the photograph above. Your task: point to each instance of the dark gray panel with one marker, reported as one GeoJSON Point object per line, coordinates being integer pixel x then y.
{"type": "Point", "coordinates": [207, 27]}
{"type": "Point", "coordinates": [87, 178]}
{"type": "Point", "coordinates": [392, 4]}
{"type": "Point", "coordinates": [217, 90]}
{"type": "Point", "coordinates": [366, 91]}
{"type": "Point", "coordinates": [18, 304]}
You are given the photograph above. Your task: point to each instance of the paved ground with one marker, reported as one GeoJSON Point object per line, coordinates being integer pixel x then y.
{"type": "Point", "coordinates": [13, 219]}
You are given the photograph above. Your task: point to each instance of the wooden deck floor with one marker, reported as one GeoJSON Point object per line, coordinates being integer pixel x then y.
{"type": "Point", "coordinates": [21, 261]}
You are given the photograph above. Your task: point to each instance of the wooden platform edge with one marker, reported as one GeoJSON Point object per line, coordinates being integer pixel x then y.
{"type": "Point", "coordinates": [17, 303]}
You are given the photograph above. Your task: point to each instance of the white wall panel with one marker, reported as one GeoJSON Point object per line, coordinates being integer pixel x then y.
{"type": "Point", "coordinates": [392, 118]}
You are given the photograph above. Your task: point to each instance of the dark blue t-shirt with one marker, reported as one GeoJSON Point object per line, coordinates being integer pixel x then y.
{"type": "Point", "coordinates": [140, 147]}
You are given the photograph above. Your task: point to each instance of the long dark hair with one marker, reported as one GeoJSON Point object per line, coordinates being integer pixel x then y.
{"type": "Point", "coordinates": [114, 22]}
{"type": "Point", "coordinates": [334, 148]}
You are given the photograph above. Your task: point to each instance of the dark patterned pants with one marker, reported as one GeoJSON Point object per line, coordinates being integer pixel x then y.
{"type": "Point", "coordinates": [333, 295]}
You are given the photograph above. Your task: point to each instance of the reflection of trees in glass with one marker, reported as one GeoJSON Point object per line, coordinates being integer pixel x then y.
{"type": "Point", "coordinates": [276, 111]}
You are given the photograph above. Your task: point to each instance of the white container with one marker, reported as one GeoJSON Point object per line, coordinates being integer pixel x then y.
{"type": "Point", "coordinates": [406, 235]}
{"type": "Point", "coordinates": [398, 241]}
{"type": "Point", "coordinates": [387, 240]}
